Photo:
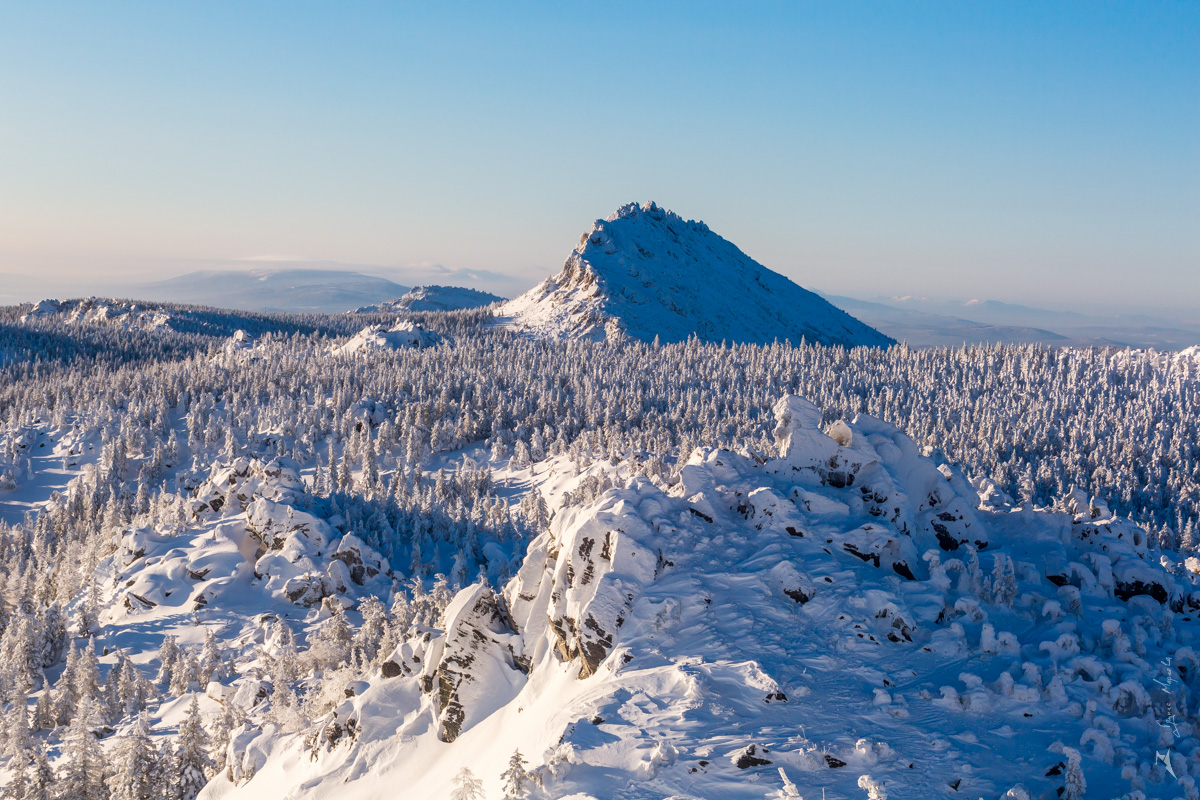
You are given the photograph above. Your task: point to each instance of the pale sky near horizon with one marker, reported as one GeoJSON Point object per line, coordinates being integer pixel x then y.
{"type": "Point", "coordinates": [1040, 153]}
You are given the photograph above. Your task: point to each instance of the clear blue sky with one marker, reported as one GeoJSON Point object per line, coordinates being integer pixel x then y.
{"type": "Point", "coordinates": [1032, 152]}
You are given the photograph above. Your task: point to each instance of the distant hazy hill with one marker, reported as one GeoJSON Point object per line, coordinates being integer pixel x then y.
{"type": "Point", "coordinates": [929, 323]}
{"type": "Point", "coordinates": [647, 272]}
{"type": "Point", "coordinates": [293, 290]}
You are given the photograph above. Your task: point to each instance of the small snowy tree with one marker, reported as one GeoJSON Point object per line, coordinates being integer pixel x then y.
{"type": "Point", "coordinates": [466, 786]}
{"type": "Point", "coordinates": [192, 762]}
{"type": "Point", "coordinates": [874, 788]}
{"type": "Point", "coordinates": [135, 765]}
{"type": "Point", "coordinates": [515, 776]}
{"type": "Point", "coordinates": [1074, 784]}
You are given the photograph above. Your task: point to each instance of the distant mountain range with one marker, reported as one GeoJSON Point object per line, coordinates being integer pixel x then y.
{"type": "Point", "coordinates": [646, 272]}
{"type": "Point", "coordinates": [291, 290]}
{"type": "Point", "coordinates": [931, 323]}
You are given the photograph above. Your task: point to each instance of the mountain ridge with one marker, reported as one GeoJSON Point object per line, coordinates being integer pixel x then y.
{"type": "Point", "coordinates": [646, 272]}
{"type": "Point", "coordinates": [281, 290]}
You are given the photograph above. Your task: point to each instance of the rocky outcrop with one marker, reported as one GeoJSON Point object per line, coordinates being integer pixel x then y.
{"type": "Point", "coordinates": [580, 579]}
{"type": "Point", "coordinates": [478, 658]}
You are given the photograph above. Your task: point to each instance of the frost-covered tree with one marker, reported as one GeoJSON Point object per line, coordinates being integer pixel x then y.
{"type": "Point", "coordinates": [135, 761]}
{"type": "Point", "coordinates": [466, 786]}
{"type": "Point", "coordinates": [515, 777]}
{"type": "Point", "coordinates": [84, 768]}
{"type": "Point", "coordinates": [1074, 784]}
{"type": "Point", "coordinates": [193, 764]}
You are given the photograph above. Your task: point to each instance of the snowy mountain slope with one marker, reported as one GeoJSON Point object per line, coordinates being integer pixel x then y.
{"type": "Point", "coordinates": [646, 272]}
{"type": "Point", "coordinates": [433, 298]}
{"type": "Point", "coordinates": [843, 613]}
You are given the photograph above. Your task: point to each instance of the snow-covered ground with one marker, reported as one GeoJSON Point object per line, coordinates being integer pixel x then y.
{"type": "Point", "coordinates": [377, 571]}
{"type": "Point", "coordinates": [646, 272]}
{"type": "Point", "coordinates": [842, 615]}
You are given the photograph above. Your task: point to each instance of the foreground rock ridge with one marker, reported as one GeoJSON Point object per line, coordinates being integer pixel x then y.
{"type": "Point", "coordinates": [847, 616]}
{"type": "Point", "coordinates": [645, 272]}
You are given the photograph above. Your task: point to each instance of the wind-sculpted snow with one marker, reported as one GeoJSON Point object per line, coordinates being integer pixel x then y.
{"type": "Point", "coordinates": [648, 273]}
{"type": "Point", "coordinates": [800, 620]}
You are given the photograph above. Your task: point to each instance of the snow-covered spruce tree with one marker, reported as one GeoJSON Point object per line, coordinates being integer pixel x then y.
{"type": "Point", "coordinates": [40, 782]}
{"type": "Point", "coordinates": [223, 725]}
{"type": "Point", "coordinates": [466, 786]}
{"type": "Point", "coordinates": [193, 765]}
{"type": "Point", "coordinates": [1074, 784]}
{"type": "Point", "coordinates": [135, 760]}
{"type": "Point", "coordinates": [17, 741]}
{"type": "Point", "coordinates": [83, 773]}
{"type": "Point", "coordinates": [168, 655]}
{"type": "Point", "coordinates": [515, 776]}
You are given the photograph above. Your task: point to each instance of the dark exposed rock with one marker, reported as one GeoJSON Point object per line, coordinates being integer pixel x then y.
{"type": "Point", "coordinates": [854, 551]}
{"type": "Point", "coordinates": [839, 479]}
{"type": "Point", "coordinates": [390, 669]}
{"type": "Point", "coordinates": [945, 540]}
{"type": "Point", "coordinates": [798, 595]}
{"type": "Point", "coordinates": [1132, 588]}
{"type": "Point", "coordinates": [476, 640]}
{"type": "Point", "coordinates": [749, 758]}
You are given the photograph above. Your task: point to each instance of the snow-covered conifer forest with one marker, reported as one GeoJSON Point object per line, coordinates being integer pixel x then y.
{"type": "Point", "coordinates": [236, 555]}
{"type": "Point", "coordinates": [453, 555]}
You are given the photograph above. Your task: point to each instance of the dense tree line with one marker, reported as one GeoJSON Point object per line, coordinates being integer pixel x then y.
{"type": "Point", "coordinates": [147, 412]}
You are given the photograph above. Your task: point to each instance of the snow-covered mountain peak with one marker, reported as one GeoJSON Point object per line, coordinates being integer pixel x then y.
{"type": "Point", "coordinates": [647, 272]}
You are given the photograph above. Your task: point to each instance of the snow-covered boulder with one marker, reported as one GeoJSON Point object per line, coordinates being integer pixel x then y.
{"type": "Point", "coordinates": [376, 337]}
{"type": "Point", "coordinates": [579, 580]}
{"type": "Point", "coordinates": [433, 298]}
{"type": "Point", "coordinates": [477, 672]}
